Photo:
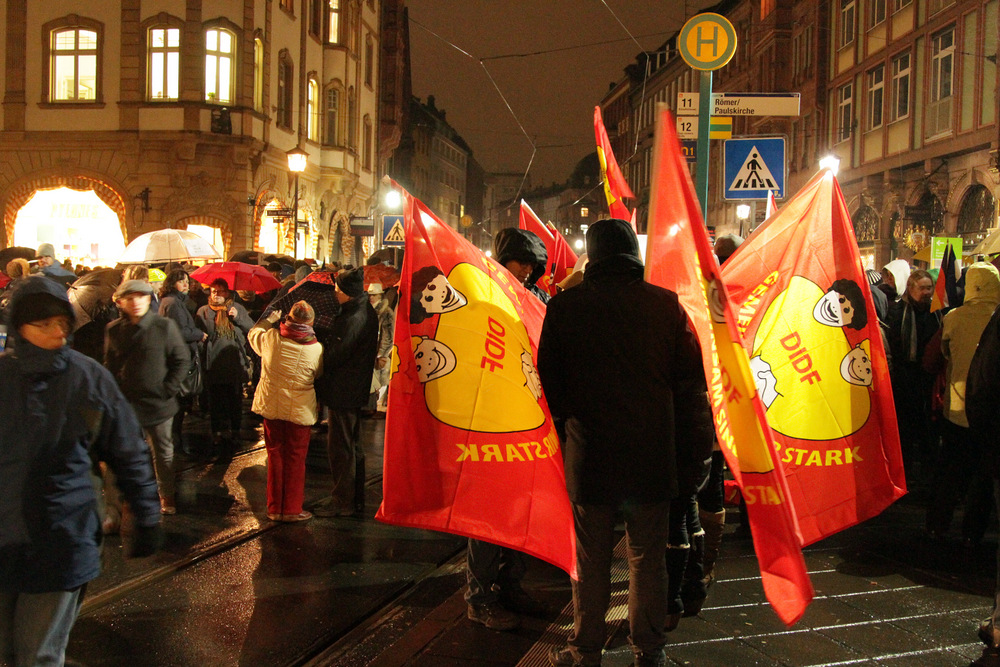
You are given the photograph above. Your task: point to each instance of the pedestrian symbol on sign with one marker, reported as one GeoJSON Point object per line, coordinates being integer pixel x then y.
{"type": "Point", "coordinates": [754, 174]}
{"type": "Point", "coordinates": [396, 234]}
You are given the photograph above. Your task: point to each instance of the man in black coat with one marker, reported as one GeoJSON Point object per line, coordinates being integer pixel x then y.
{"type": "Point", "coordinates": [623, 376]}
{"type": "Point", "coordinates": [349, 351]}
{"type": "Point", "coordinates": [148, 357]}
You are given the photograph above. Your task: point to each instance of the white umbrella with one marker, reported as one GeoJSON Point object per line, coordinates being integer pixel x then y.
{"type": "Point", "coordinates": [168, 245]}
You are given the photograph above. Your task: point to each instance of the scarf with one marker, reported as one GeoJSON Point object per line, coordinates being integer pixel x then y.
{"type": "Point", "coordinates": [38, 367]}
{"type": "Point", "coordinates": [223, 326]}
{"type": "Point", "coordinates": [300, 333]}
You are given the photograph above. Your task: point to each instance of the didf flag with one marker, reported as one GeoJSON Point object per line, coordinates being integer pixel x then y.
{"type": "Point", "coordinates": [805, 310]}
{"type": "Point", "coordinates": [562, 259]}
{"type": "Point", "coordinates": [615, 187]}
{"type": "Point", "coordinates": [470, 448]}
{"type": "Point", "coordinates": [679, 257]}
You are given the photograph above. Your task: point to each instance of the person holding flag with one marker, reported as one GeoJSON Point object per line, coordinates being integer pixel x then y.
{"type": "Point", "coordinates": [629, 447]}
{"type": "Point", "coordinates": [523, 253]}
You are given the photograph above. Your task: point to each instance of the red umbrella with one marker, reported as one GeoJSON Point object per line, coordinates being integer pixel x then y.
{"type": "Point", "coordinates": [4, 279]}
{"type": "Point", "coordinates": [239, 276]}
{"type": "Point", "coordinates": [383, 274]}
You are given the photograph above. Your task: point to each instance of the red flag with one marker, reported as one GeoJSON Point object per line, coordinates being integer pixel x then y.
{"type": "Point", "coordinates": [565, 259]}
{"type": "Point", "coordinates": [528, 221]}
{"type": "Point", "coordinates": [810, 328]}
{"type": "Point", "coordinates": [679, 257]}
{"type": "Point", "coordinates": [615, 187]}
{"type": "Point", "coordinates": [469, 444]}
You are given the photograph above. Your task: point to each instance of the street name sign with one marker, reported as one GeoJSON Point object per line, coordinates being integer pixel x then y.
{"type": "Point", "coordinates": [742, 104]}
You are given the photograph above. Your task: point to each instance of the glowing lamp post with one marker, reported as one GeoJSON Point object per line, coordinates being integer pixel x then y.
{"type": "Point", "coordinates": [297, 159]}
{"type": "Point", "coordinates": [831, 162]}
{"type": "Point", "coordinates": [743, 213]}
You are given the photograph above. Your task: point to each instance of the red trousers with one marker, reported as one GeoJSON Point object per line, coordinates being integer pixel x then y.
{"type": "Point", "coordinates": [287, 445]}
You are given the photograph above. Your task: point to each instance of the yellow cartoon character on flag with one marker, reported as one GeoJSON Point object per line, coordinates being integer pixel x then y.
{"type": "Point", "coordinates": [814, 383]}
{"type": "Point", "coordinates": [476, 369]}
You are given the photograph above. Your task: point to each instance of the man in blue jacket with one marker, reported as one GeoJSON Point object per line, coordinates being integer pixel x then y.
{"type": "Point", "coordinates": [60, 414]}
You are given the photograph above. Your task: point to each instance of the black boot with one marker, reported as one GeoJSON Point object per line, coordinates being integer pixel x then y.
{"type": "Point", "coordinates": [693, 590]}
{"type": "Point", "coordinates": [713, 524]}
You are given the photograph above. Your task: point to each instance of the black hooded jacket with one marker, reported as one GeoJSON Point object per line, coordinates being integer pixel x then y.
{"type": "Point", "coordinates": [525, 247]}
{"type": "Point", "coordinates": [623, 376]}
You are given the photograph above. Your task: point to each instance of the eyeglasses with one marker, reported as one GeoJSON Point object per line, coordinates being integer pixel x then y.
{"type": "Point", "coordinates": [52, 324]}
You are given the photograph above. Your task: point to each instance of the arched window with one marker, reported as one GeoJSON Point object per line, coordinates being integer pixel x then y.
{"type": "Point", "coordinates": [285, 90]}
{"type": "Point", "coordinates": [163, 62]}
{"type": "Point", "coordinates": [73, 47]}
{"type": "Point", "coordinates": [220, 59]}
{"type": "Point", "coordinates": [865, 221]}
{"type": "Point", "coordinates": [366, 149]}
{"type": "Point", "coordinates": [258, 74]}
{"type": "Point", "coordinates": [369, 60]}
{"type": "Point", "coordinates": [312, 110]}
{"type": "Point", "coordinates": [332, 136]}
{"type": "Point", "coordinates": [976, 215]}
{"type": "Point", "coordinates": [352, 119]}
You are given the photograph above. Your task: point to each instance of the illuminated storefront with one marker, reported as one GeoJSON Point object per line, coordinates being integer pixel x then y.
{"type": "Point", "coordinates": [78, 224]}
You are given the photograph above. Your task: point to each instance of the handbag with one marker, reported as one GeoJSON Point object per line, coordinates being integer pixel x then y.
{"type": "Point", "coordinates": [193, 383]}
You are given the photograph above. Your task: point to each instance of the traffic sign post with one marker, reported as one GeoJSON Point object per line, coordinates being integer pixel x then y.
{"type": "Point", "coordinates": [706, 43]}
{"type": "Point", "coordinates": [753, 167]}
{"type": "Point", "coordinates": [393, 231]}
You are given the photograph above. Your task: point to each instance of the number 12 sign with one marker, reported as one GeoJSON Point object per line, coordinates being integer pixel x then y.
{"type": "Point", "coordinates": [687, 127]}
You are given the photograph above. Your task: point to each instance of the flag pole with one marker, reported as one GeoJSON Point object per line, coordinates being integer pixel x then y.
{"type": "Point", "coordinates": [704, 120]}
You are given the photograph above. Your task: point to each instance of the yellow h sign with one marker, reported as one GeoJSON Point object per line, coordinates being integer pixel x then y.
{"type": "Point", "coordinates": [707, 41]}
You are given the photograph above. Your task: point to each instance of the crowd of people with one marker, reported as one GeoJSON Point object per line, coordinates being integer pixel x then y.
{"type": "Point", "coordinates": [111, 389]}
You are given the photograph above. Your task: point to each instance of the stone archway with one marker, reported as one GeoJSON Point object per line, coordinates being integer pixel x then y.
{"type": "Point", "coordinates": [19, 195]}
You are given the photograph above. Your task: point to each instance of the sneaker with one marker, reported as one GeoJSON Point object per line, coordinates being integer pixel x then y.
{"type": "Point", "coordinates": [493, 616]}
{"type": "Point", "coordinates": [563, 656]}
{"type": "Point", "coordinates": [293, 518]}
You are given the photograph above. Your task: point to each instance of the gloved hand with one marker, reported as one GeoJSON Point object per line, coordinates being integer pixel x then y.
{"type": "Point", "coordinates": [274, 316]}
{"type": "Point", "coordinates": [146, 541]}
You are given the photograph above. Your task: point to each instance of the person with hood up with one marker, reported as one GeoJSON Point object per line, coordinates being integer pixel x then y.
{"type": "Point", "coordinates": [962, 450]}
{"type": "Point", "coordinates": [641, 439]}
{"type": "Point", "coordinates": [147, 355]}
{"type": "Point", "coordinates": [291, 360]}
{"type": "Point", "coordinates": [895, 275]}
{"type": "Point", "coordinates": [523, 254]}
{"type": "Point", "coordinates": [349, 350]}
{"type": "Point", "coordinates": [61, 413]}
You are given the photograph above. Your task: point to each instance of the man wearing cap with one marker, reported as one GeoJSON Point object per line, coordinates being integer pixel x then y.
{"type": "Point", "coordinates": [47, 265]}
{"type": "Point", "coordinates": [60, 414]}
{"type": "Point", "coordinates": [349, 350]}
{"type": "Point", "coordinates": [148, 357]}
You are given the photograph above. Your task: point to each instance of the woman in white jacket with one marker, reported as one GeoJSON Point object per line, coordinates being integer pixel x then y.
{"type": "Point", "coordinates": [291, 360]}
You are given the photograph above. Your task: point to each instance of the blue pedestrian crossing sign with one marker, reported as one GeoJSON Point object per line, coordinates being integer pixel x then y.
{"type": "Point", "coordinates": [753, 167]}
{"type": "Point", "coordinates": [393, 232]}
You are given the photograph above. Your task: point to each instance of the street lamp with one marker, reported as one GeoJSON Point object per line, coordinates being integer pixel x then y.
{"type": "Point", "coordinates": [393, 199]}
{"type": "Point", "coordinates": [831, 162]}
{"type": "Point", "coordinates": [742, 212]}
{"type": "Point", "coordinates": [297, 159]}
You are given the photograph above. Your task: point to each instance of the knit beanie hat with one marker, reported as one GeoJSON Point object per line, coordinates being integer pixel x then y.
{"type": "Point", "coordinates": [611, 237]}
{"type": "Point", "coordinates": [37, 307]}
{"type": "Point", "coordinates": [352, 283]}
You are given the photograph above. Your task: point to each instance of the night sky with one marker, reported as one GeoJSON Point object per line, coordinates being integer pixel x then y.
{"type": "Point", "coordinates": [552, 94]}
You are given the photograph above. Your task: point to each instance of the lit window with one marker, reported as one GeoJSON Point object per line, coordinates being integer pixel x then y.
{"type": "Point", "coordinates": [312, 111]}
{"type": "Point", "coordinates": [164, 63]}
{"type": "Point", "coordinates": [333, 28]}
{"type": "Point", "coordinates": [584, 212]}
{"type": "Point", "coordinates": [845, 111]}
{"type": "Point", "coordinates": [220, 49]}
{"type": "Point", "coordinates": [74, 65]}
{"type": "Point", "coordinates": [876, 95]}
{"type": "Point", "coordinates": [258, 74]}
{"type": "Point", "coordinates": [900, 93]}
{"type": "Point", "coordinates": [333, 117]}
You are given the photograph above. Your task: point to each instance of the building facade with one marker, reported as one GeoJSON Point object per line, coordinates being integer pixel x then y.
{"type": "Point", "coordinates": [179, 113]}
